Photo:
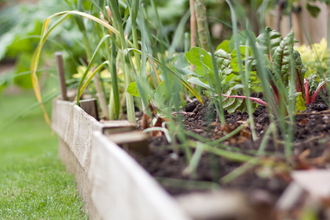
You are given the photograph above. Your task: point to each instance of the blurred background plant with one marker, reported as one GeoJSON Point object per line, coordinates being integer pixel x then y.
{"type": "Point", "coordinates": [20, 26]}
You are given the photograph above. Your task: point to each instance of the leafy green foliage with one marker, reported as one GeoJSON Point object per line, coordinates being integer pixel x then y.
{"type": "Point", "coordinates": [20, 27]}
{"type": "Point", "coordinates": [133, 89]}
{"type": "Point", "coordinates": [22, 65]}
{"type": "Point", "coordinates": [201, 59]}
{"type": "Point", "coordinates": [268, 41]}
{"type": "Point", "coordinates": [313, 10]}
{"type": "Point", "coordinates": [282, 63]}
{"type": "Point", "coordinates": [228, 70]}
{"type": "Point", "coordinates": [315, 58]}
{"type": "Point", "coordinates": [19, 35]}
{"type": "Point", "coordinates": [233, 104]}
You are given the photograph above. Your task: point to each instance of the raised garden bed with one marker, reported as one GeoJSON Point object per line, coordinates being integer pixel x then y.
{"type": "Point", "coordinates": [252, 149]}
{"type": "Point", "coordinates": [114, 186]}
{"type": "Point", "coordinates": [111, 183]}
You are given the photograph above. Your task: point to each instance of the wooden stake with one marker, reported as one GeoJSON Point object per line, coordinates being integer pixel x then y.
{"type": "Point", "coordinates": [61, 77]}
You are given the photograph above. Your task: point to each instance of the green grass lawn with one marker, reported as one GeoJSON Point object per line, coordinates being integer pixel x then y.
{"type": "Point", "coordinates": [33, 182]}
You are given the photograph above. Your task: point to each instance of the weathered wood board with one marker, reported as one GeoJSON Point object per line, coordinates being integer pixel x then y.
{"type": "Point", "coordinates": [121, 188]}
{"type": "Point", "coordinates": [75, 128]}
{"type": "Point", "coordinates": [111, 183]}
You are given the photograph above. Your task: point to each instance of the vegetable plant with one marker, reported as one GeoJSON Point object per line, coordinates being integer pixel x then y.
{"type": "Point", "coordinates": [316, 59]}
{"type": "Point", "coordinates": [144, 68]}
{"type": "Point", "coordinates": [119, 32]}
{"type": "Point", "coordinates": [278, 56]}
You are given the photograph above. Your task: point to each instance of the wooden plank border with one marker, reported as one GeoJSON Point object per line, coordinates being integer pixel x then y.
{"type": "Point", "coordinates": [111, 183]}
{"type": "Point", "coordinates": [119, 182]}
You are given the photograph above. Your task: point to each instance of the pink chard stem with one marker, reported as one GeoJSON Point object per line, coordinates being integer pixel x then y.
{"type": "Point", "coordinates": [306, 85]}
{"type": "Point", "coordinates": [257, 100]}
{"type": "Point", "coordinates": [318, 89]}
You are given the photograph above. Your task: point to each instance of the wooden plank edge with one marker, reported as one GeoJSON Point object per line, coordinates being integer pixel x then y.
{"type": "Point", "coordinates": [81, 177]}
{"type": "Point", "coordinates": [74, 126]}
{"type": "Point", "coordinates": [158, 200]}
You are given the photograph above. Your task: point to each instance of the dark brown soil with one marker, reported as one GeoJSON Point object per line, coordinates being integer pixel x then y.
{"type": "Point", "coordinates": [311, 141]}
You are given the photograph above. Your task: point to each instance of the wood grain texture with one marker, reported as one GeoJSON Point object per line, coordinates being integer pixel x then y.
{"type": "Point", "coordinates": [111, 183]}
{"type": "Point", "coordinates": [81, 176]}
{"type": "Point", "coordinates": [75, 127]}
{"type": "Point", "coordinates": [121, 189]}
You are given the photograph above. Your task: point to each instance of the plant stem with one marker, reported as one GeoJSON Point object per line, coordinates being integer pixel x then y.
{"type": "Point", "coordinates": [193, 25]}
{"type": "Point", "coordinates": [114, 94]}
{"type": "Point", "coordinates": [123, 44]}
{"type": "Point", "coordinates": [202, 24]}
{"type": "Point", "coordinates": [263, 143]}
{"type": "Point", "coordinates": [101, 96]}
{"type": "Point", "coordinates": [129, 98]}
{"type": "Point", "coordinates": [245, 79]}
{"type": "Point", "coordinates": [223, 153]}
{"type": "Point", "coordinates": [97, 82]}
{"type": "Point", "coordinates": [239, 171]}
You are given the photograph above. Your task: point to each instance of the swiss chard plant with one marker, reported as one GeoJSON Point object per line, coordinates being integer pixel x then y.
{"type": "Point", "coordinates": [283, 65]}
{"type": "Point", "coordinates": [316, 60]}
{"type": "Point", "coordinates": [228, 71]}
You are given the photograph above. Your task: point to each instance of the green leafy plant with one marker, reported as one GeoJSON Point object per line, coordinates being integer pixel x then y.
{"type": "Point", "coordinates": [283, 66]}
{"type": "Point", "coordinates": [315, 58]}
{"type": "Point", "coordinates": [228, 71]}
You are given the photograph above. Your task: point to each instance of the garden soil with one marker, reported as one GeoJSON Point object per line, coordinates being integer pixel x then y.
{"type": "Point", "coordinates": [310, 147]}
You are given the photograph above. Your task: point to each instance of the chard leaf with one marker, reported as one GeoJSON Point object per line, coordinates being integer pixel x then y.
{"type": "Point", "coordinates": [200, 58]}
{"type": "Point", "coordinates": [223, 61]}
{"type": "Point", "coordinates": [224, 45]}
{"type": "Point", "coordinates": [243, 50]}
{"type": "Point", "coordinates": [201, 71]}
{"type": "Point", "coordinates": [268, 41]}
{"type": "Point", "coordinates": [300, 72]}
{"type": "Point", "coordinates": [283, 57]}
{"type": "Point", "coordinates": [232, 104]}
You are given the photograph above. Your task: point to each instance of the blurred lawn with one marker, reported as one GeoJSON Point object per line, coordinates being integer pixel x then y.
{"type": "Point", "coordinates": [33, 182]}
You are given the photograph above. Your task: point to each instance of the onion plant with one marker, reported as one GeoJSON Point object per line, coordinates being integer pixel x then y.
{"type": "Point", "coordinates": [123, 51]}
